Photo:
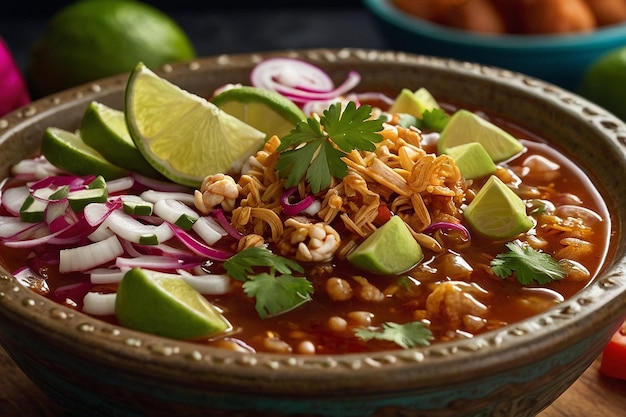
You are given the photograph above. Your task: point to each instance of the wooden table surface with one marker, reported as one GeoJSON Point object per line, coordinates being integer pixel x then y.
{"type": "Point", "coordinates": [591, 396]}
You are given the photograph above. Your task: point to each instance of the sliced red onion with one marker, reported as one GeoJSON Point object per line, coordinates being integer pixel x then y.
{"type": "Point", "coordinates": [298, 80]}
{"type": "Point", "coordinates": [223, 221]}
{"type": "Point", "coordinates": [448, 226]}
{"type": "Point", "coordinates": [73, 182]}
{"type": "Point", "coordinates": [58, 215]}
{"type": "Point", "coordinates": [130, 249]}
{"type": "Point", "coordinates": [29, 278]}
{"type": "Point", "coordinates": [165, 250]}
{"type": "Point", "coordinates": [34, 169]}
{"type": "Point", "coordinates": [198, 247]}
{"type": "Point", "coordinates": [158, 185]}
{"type": "Point", "coordinates": [13, 199]}
{"type": "Point", "coordinates": [11, 226]}
{"type": "Point", "coordinates": [21, 241]}
{"type": "Point", "coordinates": [96, 213]}
{"type": "Point", "coordinates": [72, 292]}
{"type": "Point", "coordinates": [292, 209]}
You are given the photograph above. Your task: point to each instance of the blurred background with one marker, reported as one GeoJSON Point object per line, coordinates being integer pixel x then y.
{"type": "Point", "coordinates": [51, 53]}
{"type": "Point", "coordinates": [231, 26]}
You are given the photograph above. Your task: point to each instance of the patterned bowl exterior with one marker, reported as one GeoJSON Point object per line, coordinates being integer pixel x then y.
{"type": "Point", "coordinates": [94, 368]}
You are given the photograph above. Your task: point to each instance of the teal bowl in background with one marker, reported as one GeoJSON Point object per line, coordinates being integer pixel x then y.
{"type": "Point", "coordinates": [94, 368]}
{"type": "Point", "coordinates": [558, 59]}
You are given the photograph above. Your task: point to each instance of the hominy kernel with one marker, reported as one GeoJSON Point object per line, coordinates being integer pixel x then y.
{"type": "Point", "coordinates": [337, 324]}
{"type": "Point", "coordinates": [306, 347]}
{"type": "Point", "coordinates": [338, 289]}
{"type": "Point", "coordinates": [361, 318]}
{"type": "Point", "coordinates": [276, 345]}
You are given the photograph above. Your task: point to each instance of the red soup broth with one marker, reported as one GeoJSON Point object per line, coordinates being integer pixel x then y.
{"type": "Point", "coordinates": [480, 301]}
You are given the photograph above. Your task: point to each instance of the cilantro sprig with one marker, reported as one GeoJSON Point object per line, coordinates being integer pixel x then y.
{"type": "Point", "coordinates": [527, 264]}
{"type": "Point", "coordinates": [406, 335]}
{"type": "Point", "coordinates": [313, 150]}
{"type": "Point", "coordinates": [433, 119]}
{"type": "Point", "coordinates": [274, 294]}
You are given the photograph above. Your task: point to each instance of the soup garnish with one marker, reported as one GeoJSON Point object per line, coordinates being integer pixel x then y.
{"type": "Point", "coordinates": [350, 233]}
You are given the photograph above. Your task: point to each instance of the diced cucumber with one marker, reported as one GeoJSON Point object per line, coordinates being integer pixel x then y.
{"type": "Point", "coordinates": [80, 198]}
{"type": "Point", "coordinates": [60, 193]}
{"type": "Point", "coordinates": [98, 182]}
{"type": "Point", "coordinates": [136, 205]}
{"type": "Point", "coordinates": [33, 210]}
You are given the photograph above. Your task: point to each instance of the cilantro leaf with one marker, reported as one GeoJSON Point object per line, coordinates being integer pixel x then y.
{"type": "Point", "coordinates": [313, 150]}
{"type": "Point", "coordinates": [352, 129]}
{"type": "Point", "coordinates": [277, 294]}
{"type": "Point", "coordinates": [528, 265]}
{"type": "Point", "coordinates": [404, 335]}
{"type": "Point", "coordinates": [241, 265]}
{"type": "Point", "coordinates": [435, 119]}
{"type": "Point", "coordinates": [274, 295]}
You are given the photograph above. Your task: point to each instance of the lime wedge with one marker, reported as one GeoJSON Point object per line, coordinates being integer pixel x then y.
{"type": "Point", "coordinates": [473, 160]}
{"type": "Point", "coordinates": [497, 212]}
{"type": "Point", "coordinates": [267, 111]}
{"type": "Point", "coordinates": [414, 103]}
{"type": "Point", "coordinates": [104, 129]}
{"type": "Point", "coordinates": [182, 135]}
{"type": "Point", "coordinates": [165, 305]}
{"type": "Point", "coordinates": [465, 127]}
{"type": "Point", "coordinates": [390, 249]}
{"type": "Point", "coordinates": [67, 151]}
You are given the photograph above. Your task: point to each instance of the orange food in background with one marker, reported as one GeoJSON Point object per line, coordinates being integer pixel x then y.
{"type": "Point", "coordinates": [518, 16]}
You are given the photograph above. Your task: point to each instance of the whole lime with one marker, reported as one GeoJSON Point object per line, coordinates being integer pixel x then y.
{"type": "Point", "coordinates": [89, 40]}
{"type": "Point", "coordinates": [604, 82]}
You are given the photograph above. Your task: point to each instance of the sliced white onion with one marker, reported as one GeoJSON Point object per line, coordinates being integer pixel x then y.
{"type": "Point", "coordinates": [120, 184]}
{"type": "Point", "coordinates": [102, 232]}
{"type": "Point", "coordinates": [154, 196]}
{"type": "Point", "coordinates": [99, 304]}
{"type": "Point", "coordinates": [209, 230]}
{"type": "Point", "coordinates": [149, 262]}
{"type": "Point", "coordinates": [87, 257]}
{"type": "Point", "coordinates": [127, 227]}
{"type": "Point", "coordinates": [176, 212]}
{"type": "Point", "coordinates": [106, 275]}
{"type": "Point", "coordinates": [209, 284]}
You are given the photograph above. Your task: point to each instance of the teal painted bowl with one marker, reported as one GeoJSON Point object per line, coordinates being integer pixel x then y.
{"type": "Point", "coordinates": [558, 59]}
{"type": "Point", "coordinates": [97, 369]}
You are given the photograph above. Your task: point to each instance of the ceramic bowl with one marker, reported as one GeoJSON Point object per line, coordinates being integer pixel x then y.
{"type": "Point", "coordinates": [558, 59]}
{"type": "Point", "coordinates": [95, 368]}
